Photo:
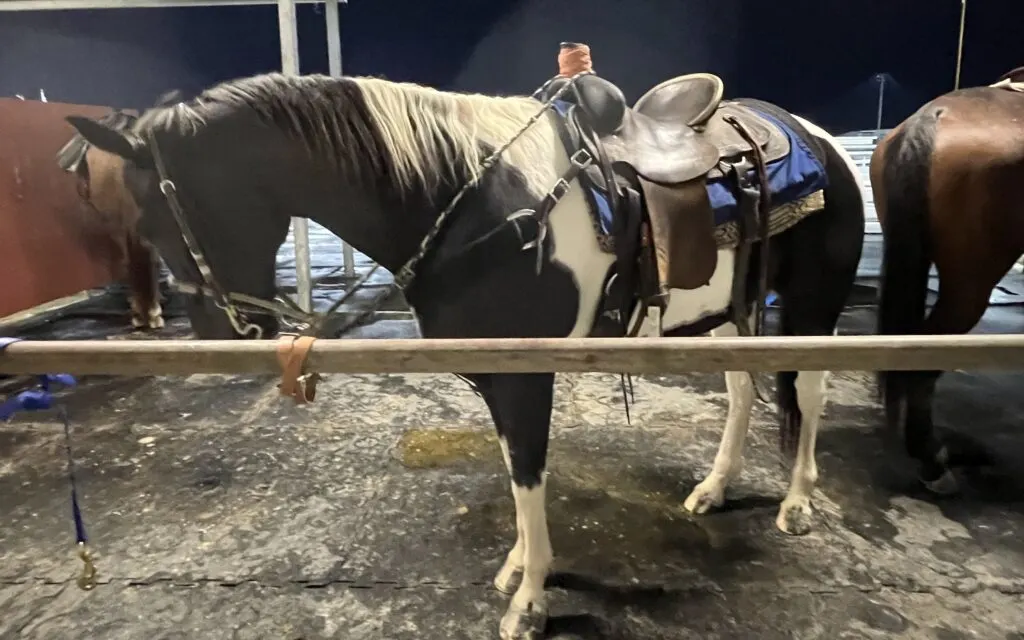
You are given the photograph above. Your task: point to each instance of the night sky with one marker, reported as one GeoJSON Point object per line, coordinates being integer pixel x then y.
{"type": "Point", "coordinates": [814, 57]}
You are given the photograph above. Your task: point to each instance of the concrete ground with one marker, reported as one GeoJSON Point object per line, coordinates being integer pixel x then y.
{"type": "Point", "coordinates": [382, 511]}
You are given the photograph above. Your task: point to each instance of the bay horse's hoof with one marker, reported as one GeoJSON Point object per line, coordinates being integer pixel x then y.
{"type": "Point", "coordinates": [521, 623]}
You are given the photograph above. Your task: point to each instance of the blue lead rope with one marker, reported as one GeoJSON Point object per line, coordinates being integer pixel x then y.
{"type": "Point", "coordinates": [40, 399]}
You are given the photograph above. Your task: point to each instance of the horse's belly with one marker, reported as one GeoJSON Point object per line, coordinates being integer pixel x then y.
{"type": "Point", "coordinates": [688, 306]}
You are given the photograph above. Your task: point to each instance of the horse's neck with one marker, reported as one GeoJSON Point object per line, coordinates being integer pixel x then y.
{"type": "Point", "coordinates": [377, 225]}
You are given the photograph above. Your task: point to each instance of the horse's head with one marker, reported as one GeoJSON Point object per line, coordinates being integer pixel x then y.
{"type": "Point", "coordinates": [119, 168]}
{"type": "Point", "coordinates": [98, 173]}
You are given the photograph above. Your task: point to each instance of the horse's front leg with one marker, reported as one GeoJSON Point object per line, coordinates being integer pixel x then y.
{"type": "Point", "coordinates": [795, 512]}
{"type": "Point", "coordinates": [521, 408]}
{"type": "Point", "coordinates": [729, 461]}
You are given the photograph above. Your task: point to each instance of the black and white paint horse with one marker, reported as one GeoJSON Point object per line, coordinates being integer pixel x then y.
{"type": "Point", "coordinates": [374, 162]}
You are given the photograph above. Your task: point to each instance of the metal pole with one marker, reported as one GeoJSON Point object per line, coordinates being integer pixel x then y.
{"type": "Point", "coordinates": [286, 25]}
{"type": "Point", "coordinates": [348, 259]}
{"type": "Point", "coordinates": [960, 44]}
{"type": "Point", "coordinates": [881, 100]}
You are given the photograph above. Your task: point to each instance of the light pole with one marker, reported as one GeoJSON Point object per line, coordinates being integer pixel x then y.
{"type": "Point", "coordinates": [881, 100]}
{"type": "Point", "coordinates": [960, 44]}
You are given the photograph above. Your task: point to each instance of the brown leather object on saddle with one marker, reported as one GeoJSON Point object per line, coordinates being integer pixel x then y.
{"type": "Point", "coordinates": [683, 232]}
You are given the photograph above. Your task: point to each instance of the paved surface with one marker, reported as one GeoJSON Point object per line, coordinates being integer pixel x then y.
{"type": "Point", "coordinates": [383, 511]}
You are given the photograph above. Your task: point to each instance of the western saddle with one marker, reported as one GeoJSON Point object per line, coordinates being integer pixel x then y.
{"type": "Point", "coordinates": [675, 138]}
{"type": "Point", "coordinates": [1011, 80]}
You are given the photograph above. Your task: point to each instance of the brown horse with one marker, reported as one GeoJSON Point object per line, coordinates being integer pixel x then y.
{"type": "Point", "coordinates": [98, 174]}
{"type": "Point", "coordinates": [947, 186]}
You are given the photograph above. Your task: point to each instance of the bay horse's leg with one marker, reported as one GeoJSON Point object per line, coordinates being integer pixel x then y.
{"type": "Point", "coordinates": [144, 284]}
{"type": "Point", "coordinates": [521, 408]}
{"type": "Point", "coordinates": [965, 285]}
{"type": "Point", "coordinates": [729, 460]}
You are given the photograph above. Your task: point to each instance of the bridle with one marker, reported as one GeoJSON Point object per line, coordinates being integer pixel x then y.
{"type": "Point", "coordinates": [235, 305]}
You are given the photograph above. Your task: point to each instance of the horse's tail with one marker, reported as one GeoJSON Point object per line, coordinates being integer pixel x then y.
{"type": "Point", "coordinates": [906, 258]}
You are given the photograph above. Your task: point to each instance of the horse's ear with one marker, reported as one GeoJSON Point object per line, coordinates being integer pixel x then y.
{"type": "Point", "coordinates": [120, 143]}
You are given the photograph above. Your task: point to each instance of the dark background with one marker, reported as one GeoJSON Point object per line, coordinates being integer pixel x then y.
{"type": "Point", "coordinates": [819, 58]}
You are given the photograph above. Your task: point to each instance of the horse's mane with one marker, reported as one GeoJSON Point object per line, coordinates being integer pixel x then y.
{"type": "Point", "coordinates": [415, 136]}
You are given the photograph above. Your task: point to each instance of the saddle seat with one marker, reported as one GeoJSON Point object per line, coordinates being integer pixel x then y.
{"type": "Point", "coordinates": [680, 130]}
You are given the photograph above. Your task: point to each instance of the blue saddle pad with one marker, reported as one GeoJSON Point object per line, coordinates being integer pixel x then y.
{"type": "Point", "coordinates": [796, 176]}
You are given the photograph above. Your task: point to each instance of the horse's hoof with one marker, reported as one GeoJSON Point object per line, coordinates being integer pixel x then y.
{"type": "Point", "coordinates": [795, 516]}
{"type": "Point", "coordinates": [945, 485]}
{"type": "Point", "coordinates": [523, 623]}
{"type": "Point", "coordinates": [137, 322]}
{"type": "Point", "coordinates": [156, 322]}
{"type": "Point", "coordinates": [707, 495]}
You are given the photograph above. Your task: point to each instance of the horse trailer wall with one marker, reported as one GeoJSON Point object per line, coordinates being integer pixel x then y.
{"type": "Point", "coordinates": [51, 244]}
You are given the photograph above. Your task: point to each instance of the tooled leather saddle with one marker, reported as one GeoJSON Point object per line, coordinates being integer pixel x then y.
{"type": "Point", "coordinates": [664, 149]}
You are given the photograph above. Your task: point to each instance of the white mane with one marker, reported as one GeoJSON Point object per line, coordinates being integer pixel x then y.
{"type": "Point", "coordinates": [415, 119]}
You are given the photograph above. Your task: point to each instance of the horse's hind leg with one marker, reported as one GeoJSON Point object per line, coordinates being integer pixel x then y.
{"type": "Point", "coordinates": [729, 459]}
{"type": "Point", "coordinates": [521, 408]}
{"type": "Point", "coordinates": [964, 290]}
{"type": "Point", "coordinates": [819, 265]}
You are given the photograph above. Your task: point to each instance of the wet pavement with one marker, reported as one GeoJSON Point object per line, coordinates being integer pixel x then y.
{"type": "Point", "coordinates": [382, 511]}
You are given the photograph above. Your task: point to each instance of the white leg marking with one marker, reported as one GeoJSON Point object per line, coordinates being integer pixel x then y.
{"type": "Point", "coordinates": [156, 315]}
{"type": "Point", "coordinates": [729, 460]}
{"type": "Point", "coordinates": [527, 613]}
{"type": "Point", "coordinates": [137, 320]}
{"type": "Point", "coordinates": [795, 513]}
{"type": "Point", "coordinates": [508, 575]}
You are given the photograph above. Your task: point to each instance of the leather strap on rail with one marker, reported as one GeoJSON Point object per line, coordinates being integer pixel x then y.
{"type": "Point", "coordinates": [296, 383]}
